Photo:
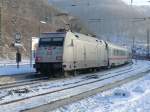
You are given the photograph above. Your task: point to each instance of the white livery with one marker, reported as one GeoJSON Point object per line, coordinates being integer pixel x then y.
{"type": "Point", "coordinates": [67, 51]}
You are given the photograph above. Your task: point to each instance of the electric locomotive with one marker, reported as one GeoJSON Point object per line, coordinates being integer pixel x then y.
{"type": "Point", "coordinates": [65, 52]}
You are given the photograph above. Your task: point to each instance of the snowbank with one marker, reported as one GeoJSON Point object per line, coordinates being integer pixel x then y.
{"type": "Point", "coordinates": [131, 97]}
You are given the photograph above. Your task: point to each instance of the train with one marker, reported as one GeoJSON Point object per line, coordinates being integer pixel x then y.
{"type": "Point", "coordinates": [69, 52]}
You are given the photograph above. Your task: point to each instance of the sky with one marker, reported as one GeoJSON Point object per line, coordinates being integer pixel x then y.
{"type": "Point", "coordinates": [135, 2]}
{"type": "Point", "coordinates": [138, 2]}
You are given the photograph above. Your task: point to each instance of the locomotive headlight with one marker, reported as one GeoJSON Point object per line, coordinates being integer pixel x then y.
{"type": "Point", "coordinates": [37, 59]}
{"type": "Point", "coordinates": [58, 57]}
{"type": "Point", "coordinates": [64, 66]}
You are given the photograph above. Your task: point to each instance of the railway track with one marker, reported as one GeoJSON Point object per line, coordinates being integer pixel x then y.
{"type": "Point", "coordinates": [22, 83]}
{"type": "Point", "coordinates": [66, 101]}
{"type": "Point", "coordinates": [85, 81]}
{"type": "Point", "coordinates": [59, 87]}
{"type": "Point", "coordinates": [45, 79]}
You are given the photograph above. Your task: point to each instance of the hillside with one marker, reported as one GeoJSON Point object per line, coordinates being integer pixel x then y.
{"type": "Point", "coordinates": [24, 16]}
{"type": "Point", "coordinates": [144, 10]}
{"type": "Point", "coordinates": [116, 18]}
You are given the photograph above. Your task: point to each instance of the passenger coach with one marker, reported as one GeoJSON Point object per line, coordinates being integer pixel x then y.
{"type": "Point", "coordinates": [118, 55]}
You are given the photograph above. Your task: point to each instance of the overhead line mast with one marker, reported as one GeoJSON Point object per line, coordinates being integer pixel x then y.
{"type": "Point", "coordinates": [1, 23]}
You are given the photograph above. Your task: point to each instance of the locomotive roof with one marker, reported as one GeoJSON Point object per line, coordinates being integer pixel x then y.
{"type": "Point", "coordinates": [86, 37]}
{"type": "Point", "coordinates": [53, 33]}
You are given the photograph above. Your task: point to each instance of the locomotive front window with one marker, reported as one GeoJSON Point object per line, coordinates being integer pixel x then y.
{"type": "Point", "coordinates": [58, 39]}
{"type": "Point", "coordinates": [53, 41]}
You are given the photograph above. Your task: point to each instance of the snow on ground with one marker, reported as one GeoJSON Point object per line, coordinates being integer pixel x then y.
{"type": "Point", "coordinates": [102, 101]}
{"type": "Point", "coordinates": [9, 67]}
{"type": "Point", "coordinates": [131, 97]}
{"type": "Point", "coordinates": [105, 102]}
{"type": "Point", "coordinates": [13, 70]}
{"type": "Point", "coordinates": [12, 62]}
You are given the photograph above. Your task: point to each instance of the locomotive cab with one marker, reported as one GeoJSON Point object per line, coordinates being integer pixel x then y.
{"type": "Point", "coordinates": [49, 55]}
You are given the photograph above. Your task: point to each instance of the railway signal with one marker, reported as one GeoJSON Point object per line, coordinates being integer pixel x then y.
{"type": "Point", "coordinates": [18, 45]}
{"type": "Point", "coordinates": [18, 37]}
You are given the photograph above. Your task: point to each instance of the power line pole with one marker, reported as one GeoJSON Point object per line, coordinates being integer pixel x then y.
{"type": "Point", "coordinates": [1, 6]}
{"type": "Point", "coordinates": [0, 25]}
{"type": "Point", "coordinates": [98, 21]}
{"type": "Point", "coordinates": [132, 32]}
{"type": "Point", "coordinates": [148, 41]}
{"type": "Point", "coordinates": [131, 2]}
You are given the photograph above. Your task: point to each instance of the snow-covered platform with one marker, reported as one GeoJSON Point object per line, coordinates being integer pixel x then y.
{"type": "Point", "coordinates": [13, 70]}
{"type": "Point", "coordinates": [10, 68]}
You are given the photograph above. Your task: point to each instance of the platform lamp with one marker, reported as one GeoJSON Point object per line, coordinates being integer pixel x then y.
{"type": "Point", "coordinates": [41, 22]}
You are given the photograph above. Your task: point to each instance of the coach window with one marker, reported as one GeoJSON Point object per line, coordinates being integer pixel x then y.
{"type": "Point", "coordinates": [120, 53]}
{"type": "Point", "coordinates": [117, 52]}
{"type": "Point", "coordinates": [114, 52]}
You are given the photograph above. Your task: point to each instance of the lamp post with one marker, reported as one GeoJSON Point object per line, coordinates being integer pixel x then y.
{"type": "Point", "coordinates": [41, 22]}
{"type": "Point", "coordinates": [1, 20]}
